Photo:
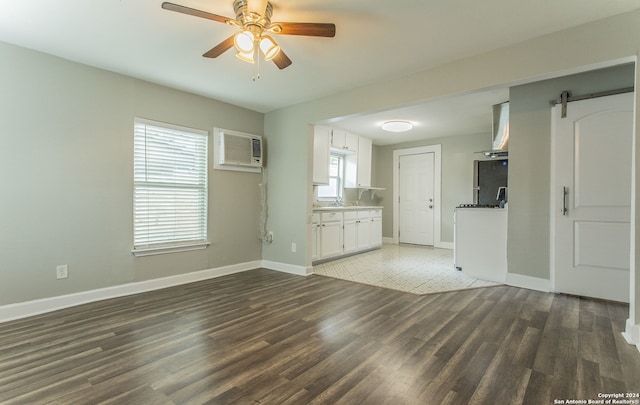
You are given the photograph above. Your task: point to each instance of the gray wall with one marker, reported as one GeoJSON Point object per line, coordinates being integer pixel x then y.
{"type": "Point", "coordinates": [66, 153]}
{"type": "Point", "coordinates": [458, 154]}
{"type": "Point", "coordinates": [529, 162]}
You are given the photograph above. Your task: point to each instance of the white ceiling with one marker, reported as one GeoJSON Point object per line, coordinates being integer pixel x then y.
{"type": "Point", "coordinates": [375, 40]}
{"type": "Point", "coordinates": [464, 114]}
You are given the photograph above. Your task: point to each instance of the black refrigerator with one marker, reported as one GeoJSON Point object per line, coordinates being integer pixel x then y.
{"type": "Point", "coordinates": [490, 182]}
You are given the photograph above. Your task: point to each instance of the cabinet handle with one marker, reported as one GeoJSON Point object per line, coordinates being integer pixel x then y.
{"type": "Point", "coordinates": [565, 194]}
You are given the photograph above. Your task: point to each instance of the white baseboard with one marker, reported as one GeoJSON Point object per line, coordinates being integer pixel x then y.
{"type": "Point", "coordinates": [632, 334]}
{"type": "Point", "coordinates": [440, 245]}
{"type": "Point", "coordinates": [287, 268]}
{"type": "Point", "coordinates": [528, 282]}
{"type": "Point", "coordinates": [35, 307]}
{"type": "Point", "coordinates": [40, 306]}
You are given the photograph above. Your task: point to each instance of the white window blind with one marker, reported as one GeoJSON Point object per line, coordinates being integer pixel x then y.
{"type": "Point", "coordinates": [170, 186]}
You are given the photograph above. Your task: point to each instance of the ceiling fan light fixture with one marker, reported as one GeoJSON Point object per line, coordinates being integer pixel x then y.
{"type": "Point", "coordinates": [244, 42]}
{"type": "Point", "coordinates": [397, 126]}
{"type": "Point", "coordinates": [269, 47]}
{"type": "Point", "coordinates": [245, 56]}
{"type": "Point", "coordinates": [253, 17]}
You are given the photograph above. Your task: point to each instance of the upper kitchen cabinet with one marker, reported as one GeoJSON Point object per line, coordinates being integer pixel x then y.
{"type": "Point", "coordinates": [355, 149]}
{"type": "Point", "coordinates": [344, 141]}
{"type": "Point", "coordinates": [321, 143]}
{"type": "Point", "coordinates": [363, 178]}
{"type": "Point", "coordinates": [358, 166]}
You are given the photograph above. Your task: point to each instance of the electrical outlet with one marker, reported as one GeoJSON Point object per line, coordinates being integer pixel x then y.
{"type": "Point", "coordinates": [294, 247]}
{"type": "Point", "coordinates": [62, 271]}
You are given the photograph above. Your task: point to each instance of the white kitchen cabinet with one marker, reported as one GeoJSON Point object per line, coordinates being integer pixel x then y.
{"type": "Point", "coordinates": [344, 141]}
{"type": "Point", "coordinates": [321, 140]}
{"type": "Point", "coordinates": [375, 228]}
{"type": "Point", "coordinates": [363, 230]}
{"type": "Point", "coordinates": [363, 173]}
{"type": "Point", "coordinates": [350, 235]}
{"type": "Point", "coordinates": [345, 231]}
{"type": "Point", "coordinates": [358, 166]}
{"type": "Point", "coordinates": [330, 234]}
{"type": "Point", "coordinates": [315, 236]}
{"type": "Point", "coordinates": [351, 142]}
{"type": "Point", "coordinates": [338, 138]}
{"type": "Point", "coordinates": [356, 231]}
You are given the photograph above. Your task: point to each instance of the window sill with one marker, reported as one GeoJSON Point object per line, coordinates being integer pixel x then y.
{"type": "Point", "coordinates": [159, 250]}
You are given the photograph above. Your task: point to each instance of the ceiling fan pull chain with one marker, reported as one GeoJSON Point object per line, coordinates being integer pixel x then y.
{"type": "Point", "coordinates": [256, 65]}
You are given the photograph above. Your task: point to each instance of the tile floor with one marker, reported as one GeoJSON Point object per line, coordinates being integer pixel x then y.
{"type": "Point", "coordinates": [409, 268]}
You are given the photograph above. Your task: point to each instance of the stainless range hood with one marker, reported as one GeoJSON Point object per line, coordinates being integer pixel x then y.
{"type": "Point", "coordinates": [500, 133]}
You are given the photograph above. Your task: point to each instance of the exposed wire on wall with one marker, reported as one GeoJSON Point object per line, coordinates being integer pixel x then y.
{"type": "Point", "coordinates": [263, 234]}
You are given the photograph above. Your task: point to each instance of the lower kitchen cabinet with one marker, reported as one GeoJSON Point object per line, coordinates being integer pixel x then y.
{"type": "Point", "coordinates": [330, 234]}
{"type": "Point", "coordinates": [350, 232]}
{"type": "Point", "coordinates": [363, 230]}
{"type": "Point", "coordinates": [346, 232]}
{"type": "Point", "coordinates": [375, 228]}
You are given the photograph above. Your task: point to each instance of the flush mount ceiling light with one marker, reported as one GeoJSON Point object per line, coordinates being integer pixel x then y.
{"type": "Point", "coordinates": [397, 126]}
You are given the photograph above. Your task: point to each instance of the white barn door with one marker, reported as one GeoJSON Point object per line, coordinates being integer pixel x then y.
{"type": "Point", "coordinates": [591, 196]}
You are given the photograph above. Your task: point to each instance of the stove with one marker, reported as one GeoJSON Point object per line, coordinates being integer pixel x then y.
{"type": "Point", "coordinates": [478, 206]}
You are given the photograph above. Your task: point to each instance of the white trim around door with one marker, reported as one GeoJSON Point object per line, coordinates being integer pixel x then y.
{"type": "Point", "coordinates": [437, 186]}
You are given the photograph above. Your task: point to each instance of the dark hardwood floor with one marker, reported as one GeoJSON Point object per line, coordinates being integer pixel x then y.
{"type": "Point", "coordinates": [271, 338]}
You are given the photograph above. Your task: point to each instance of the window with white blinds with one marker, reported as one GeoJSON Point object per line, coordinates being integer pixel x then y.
{"type": "Point", "coordinates": [170, 188]}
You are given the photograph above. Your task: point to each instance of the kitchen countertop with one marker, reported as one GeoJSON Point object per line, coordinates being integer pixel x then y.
{"type": "Point", "coordinates": [347, 208]}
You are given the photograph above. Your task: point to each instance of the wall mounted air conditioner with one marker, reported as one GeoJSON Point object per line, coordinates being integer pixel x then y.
{"type": "Point", "coordinates": [237, 151]}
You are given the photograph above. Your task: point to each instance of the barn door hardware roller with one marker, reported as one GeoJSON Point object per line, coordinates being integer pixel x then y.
{"type": "Point", "coordinates": [566, 97]}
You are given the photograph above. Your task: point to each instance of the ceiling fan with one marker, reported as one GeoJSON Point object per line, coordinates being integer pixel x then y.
{"type": "Point", "coordinates": [253, 17]}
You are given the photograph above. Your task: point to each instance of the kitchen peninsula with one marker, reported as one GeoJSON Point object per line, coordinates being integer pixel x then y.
{"type": "Point", "coordinates": [480, 242]}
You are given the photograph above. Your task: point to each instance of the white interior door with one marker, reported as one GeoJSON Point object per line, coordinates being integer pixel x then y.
{"type": "Point", "coordinates": [416, 199]}
{"type": "Point", "coordinates": [592, 196]}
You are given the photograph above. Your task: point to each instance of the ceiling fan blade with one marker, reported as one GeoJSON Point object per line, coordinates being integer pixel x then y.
{"type": "Point", "coordinates": [192, 11]}
{"type": "Point", "coordinates": [306, 29]}
{"type": "Point", "coordinates": [219, 49]}
{"type": "Point", "coordinates": [281, 60]}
